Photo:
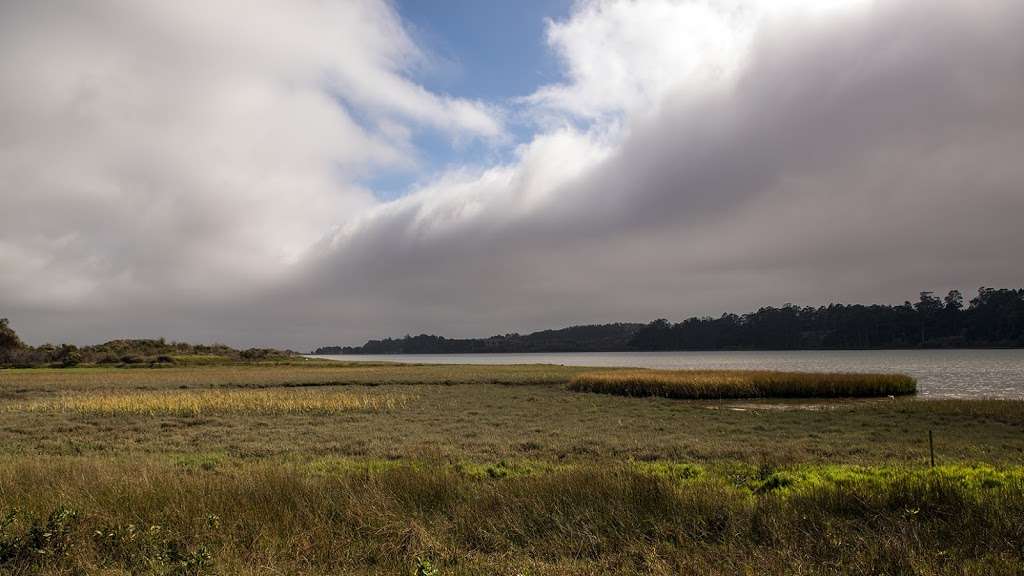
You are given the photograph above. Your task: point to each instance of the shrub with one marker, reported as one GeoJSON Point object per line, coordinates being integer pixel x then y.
{"type": "Point", "coordinates": [68, 356]}
{"type": "Point", "coordinates": [71, 359]}
{"type": "Point", "coordinates": [42, 541]}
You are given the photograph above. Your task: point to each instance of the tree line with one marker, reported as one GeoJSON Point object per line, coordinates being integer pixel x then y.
{"type": "Point", "coordinates": [993, 318]}
{"type": "Point", "coordinates": [587, 338]}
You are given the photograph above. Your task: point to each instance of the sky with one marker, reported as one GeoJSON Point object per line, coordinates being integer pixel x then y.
{"type": "Point", "coordinates": [303, 173]}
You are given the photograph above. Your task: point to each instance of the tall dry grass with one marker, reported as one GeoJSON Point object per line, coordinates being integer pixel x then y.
{"type": "Point", "coordinates": [200, 402]}
{"type": "Point", "coordinates": [710, 384]}
{"type": "Point", "coordinates": [89, 517]}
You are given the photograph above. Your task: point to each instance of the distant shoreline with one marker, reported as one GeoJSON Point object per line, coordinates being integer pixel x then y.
{"type": "Point", "coordinates": [513, 352]}
{"type": "Point", "coordinates": [994, 319]}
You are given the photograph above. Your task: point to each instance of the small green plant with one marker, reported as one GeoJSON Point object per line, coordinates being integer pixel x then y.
{"type": "Point", "coordinates": [184, 562]}
{"type": "Point", "coordinates": [425, 568]}
{"type": "Point", "coordinates": [9, 545]}
{"type": "Point", "coordinates": [43, 541]}
{"type": "Point", "coordinates": [153, 549]}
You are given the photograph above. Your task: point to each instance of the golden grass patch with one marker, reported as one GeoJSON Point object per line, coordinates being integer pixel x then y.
{"type": "Point", "coordinates": [201, 402]}
{"type": "Point", "coordinates": [711, 384]}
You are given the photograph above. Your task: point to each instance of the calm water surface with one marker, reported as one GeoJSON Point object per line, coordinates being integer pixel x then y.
{"type": "Point", "coordinates": [940, 373]}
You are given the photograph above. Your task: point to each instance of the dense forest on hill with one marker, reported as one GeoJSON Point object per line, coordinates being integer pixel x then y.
{"type": "Point", "coordinates": [993, 318]}
{"type": "Point", "coordinates": [594, 338]}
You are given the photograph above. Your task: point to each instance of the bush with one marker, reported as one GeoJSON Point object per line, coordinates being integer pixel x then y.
{"type": "Point", "coordinates": [71, 359]}
{"type": "Point", "coordinates": [32, 543]}
{"type": "Point", "coordinates": [67, 356]}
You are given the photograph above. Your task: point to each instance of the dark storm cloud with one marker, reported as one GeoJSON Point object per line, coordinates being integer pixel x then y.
{"type": "Point", "coordinates": [861, 159]}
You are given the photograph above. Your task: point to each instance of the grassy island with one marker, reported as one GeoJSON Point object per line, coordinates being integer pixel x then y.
{"type": "Point", "coordinates": [705, 384]}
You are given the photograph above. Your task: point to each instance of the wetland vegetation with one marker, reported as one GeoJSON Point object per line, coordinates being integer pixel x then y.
{"type": "Point", "coordinates": [712, 384]}
{"type": "Point", "coordinates": [313, 467]}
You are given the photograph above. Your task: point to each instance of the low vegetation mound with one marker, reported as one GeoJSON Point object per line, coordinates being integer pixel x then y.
{"type": "Point", "coordinates": [154, 352]}
{"type": "Point", "coordinates": [712, 384]}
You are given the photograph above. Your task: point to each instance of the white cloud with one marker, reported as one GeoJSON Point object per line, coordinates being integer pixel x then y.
{"type": "Point", "coordinates": [195, 148]}
{"type": "Point", "coordinates": [621, 57]}
{"type": "Point", "coordinates": [626, 56]}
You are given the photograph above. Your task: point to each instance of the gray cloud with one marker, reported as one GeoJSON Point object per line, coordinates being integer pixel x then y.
{"type": "Point", "coordinates": [858, 156]}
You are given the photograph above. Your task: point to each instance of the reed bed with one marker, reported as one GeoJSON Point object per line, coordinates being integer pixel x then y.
{"type": "Point", "coordinates": [715, 384]}
{"type": "Point", "coordinates": [192, 403]}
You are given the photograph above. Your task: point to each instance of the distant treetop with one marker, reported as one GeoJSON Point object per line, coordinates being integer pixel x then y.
{"type": "Point", "coordinates": [994, 318]}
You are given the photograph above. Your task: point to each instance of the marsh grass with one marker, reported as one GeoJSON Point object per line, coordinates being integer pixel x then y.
{"type": "Point", "coordinates": [291, 475]}
{"type": "Point", "coordinates": [49, 381]}
{"type": "Point", "coordinates": [268, 518]}
{"type": "Point", "coordinates": [191, 403]}
{"type": "Point", "coordinates": [484, 422]}
{"type": "Point", "coordinates": [1010, 411]}
{"type": "Point", "coordinates": [718, 384]}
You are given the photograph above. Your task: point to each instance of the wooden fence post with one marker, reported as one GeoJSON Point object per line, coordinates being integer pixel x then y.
{"type": "Point", "coordinates": [931, 448]}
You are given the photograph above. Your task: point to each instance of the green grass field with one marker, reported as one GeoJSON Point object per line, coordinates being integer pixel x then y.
{"type": "Point", "coordinates": [332, 468]}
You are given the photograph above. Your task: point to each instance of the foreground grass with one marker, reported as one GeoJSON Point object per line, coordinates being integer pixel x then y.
{"type": "Point", "coordinates": [704, 384]}
{"type": "Point", "coordinates": [92, 516]}
{"type": "Point", "coordinates": [194, 403]}
{"type": "Point", "coordinates": [292, 470]}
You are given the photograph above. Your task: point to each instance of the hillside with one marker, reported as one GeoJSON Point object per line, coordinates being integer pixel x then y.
{"type": "Point", "coordinates": [588, 338]}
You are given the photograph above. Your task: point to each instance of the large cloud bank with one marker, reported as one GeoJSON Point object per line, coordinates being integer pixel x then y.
{"type": "Point", "coordinates": [193, 172]}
